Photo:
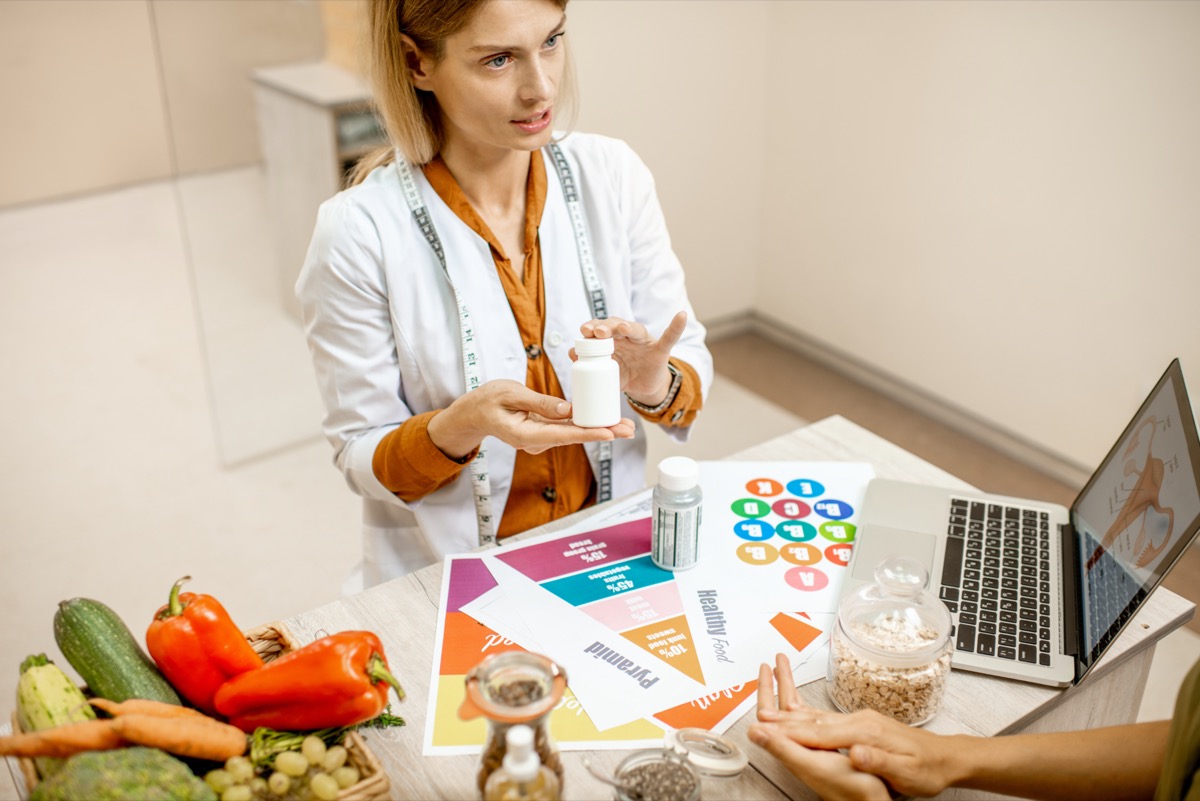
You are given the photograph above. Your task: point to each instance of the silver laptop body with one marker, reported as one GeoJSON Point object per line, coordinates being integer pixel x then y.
{"type": "Point", "coordinates": [1095, 564]}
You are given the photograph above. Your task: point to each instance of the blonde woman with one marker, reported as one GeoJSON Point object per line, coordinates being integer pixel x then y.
{"type": "Point", "coordinates": [443, 291]}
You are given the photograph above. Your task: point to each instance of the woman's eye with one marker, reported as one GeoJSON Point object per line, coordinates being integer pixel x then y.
{"type": "Point", "coordinates": [553, 40]}
{"type": "Point", "coordinates": [497, 62]}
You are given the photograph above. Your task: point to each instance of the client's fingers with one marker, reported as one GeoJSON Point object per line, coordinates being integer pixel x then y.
{"type": "Point", "coordinates": [789, 699]}
{"type": "Point", "coordinates": [766, 694]}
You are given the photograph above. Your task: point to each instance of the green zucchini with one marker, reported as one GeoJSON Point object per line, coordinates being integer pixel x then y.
{"type": "Point", "coordinates": [46, 698]}
{"type": "Point", "coordinates": [102, 650]}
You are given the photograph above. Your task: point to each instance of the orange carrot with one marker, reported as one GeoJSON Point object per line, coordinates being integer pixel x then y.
{"type": "Point", "coordinates": [64, 741]}
{"type": "Point", "coordinates": [143, 706]}
{"type": "Point", "coordinates": [197, 737]}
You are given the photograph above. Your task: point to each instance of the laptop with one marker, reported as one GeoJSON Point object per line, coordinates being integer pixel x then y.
{"type": "Point", "coordinates": [1038, 592]}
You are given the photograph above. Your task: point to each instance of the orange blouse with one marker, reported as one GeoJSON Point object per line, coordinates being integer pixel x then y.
{"type": "Point", "coordinates": [547, 485]}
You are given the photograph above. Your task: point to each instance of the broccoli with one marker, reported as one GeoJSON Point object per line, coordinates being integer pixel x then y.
{"type": "Point", "coordinates": [127, 774]}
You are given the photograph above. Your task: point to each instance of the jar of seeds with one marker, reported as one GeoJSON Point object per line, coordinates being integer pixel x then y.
{"type": "Point", "coordinates": [510, 688]}
{"type": "Point", "coordinates": [890, 648]}
{"type": "Point", "coordinates": [674, 772]}
{"type": "Point", "coordinates": [656, 775]}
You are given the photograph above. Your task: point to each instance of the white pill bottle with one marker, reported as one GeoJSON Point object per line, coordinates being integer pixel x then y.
{"type": "Point", "coordinates": [595, 385]}
{"type": "Point", "coordinates": [675, 514]}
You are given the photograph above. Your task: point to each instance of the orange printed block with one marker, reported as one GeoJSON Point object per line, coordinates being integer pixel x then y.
{"type": "Point", "coordinates": [708, 710]}
{"type": "Point", "coordinates": [671, 641]}
{"type": "Point", "coordinates": [798, 633]}
{"type": "Point", "coordinates": [467, 641]}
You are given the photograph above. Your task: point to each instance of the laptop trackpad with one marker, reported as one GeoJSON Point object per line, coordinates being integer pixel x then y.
{"type": "Point", "coordinates": [880, 542]}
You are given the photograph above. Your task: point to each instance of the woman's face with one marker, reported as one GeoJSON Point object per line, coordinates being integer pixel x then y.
{"type": "Point", "coordinates": [498, 79]}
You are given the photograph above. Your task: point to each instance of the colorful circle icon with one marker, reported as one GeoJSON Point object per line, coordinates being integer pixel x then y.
{"type": "Point", "coordinates": [757, 553]}
{"type": "Point", "coordinates": [790, 508]}
{"type": "Point", "coordinates": [806, 579]}
{"type": "Point", "coordinates": [764, 487]}
{"type": "Point", "coordinates": [806, 487]}
{"type": "Point", "coordinates": [838, 532]}
{"type": "Point", "coordinates": [798, 553]}
{"type": "Point", "coordinates": [796, 530]}
{"type": "Point", "coordinates": [750, 507]}
{"type": "Point", "coordinates": [833, 510]}
{"type": "Point", "coordinates": [839, 554]}
{"type": "Point", "coordinates": [753, 530]}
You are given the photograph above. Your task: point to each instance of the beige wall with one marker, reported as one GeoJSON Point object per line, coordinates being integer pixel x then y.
{"type": "Point", "coordinates": [346, 33]}
{"type": "Point", "coordinates": [208, 51]}
{"type": "Point", "coordinates": [82, 108]}
{"type": "Point", "coordinates": [958, 189]}
{"type": "Point", "coordinates": [84, 104]}
{"type": "Point", "coordinates": [683, 84]}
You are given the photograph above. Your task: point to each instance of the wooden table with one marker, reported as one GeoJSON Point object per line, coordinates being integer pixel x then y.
{"type": "Point", "coordinates": [404, 613]}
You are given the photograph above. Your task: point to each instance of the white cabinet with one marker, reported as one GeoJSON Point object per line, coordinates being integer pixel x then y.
{"type": "Point", "coordinates": [315, 120]}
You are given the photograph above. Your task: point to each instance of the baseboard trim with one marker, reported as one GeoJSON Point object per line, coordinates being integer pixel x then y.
{"type": "Point", "coordinates": [1008, 443]}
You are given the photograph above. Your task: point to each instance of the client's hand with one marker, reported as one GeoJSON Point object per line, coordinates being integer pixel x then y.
{"type": "Point", "coordinates": [911, 760]}
{"type": "Point", "coordinates": [827, 772]}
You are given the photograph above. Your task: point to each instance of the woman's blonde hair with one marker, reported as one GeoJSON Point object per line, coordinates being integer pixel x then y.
{"type": "Point", "coordinates": [411, 116]}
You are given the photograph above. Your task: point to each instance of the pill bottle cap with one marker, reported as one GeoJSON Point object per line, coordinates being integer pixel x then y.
{"type": "Point", "coordinates": [678, 473]}
{"type": "Point", "coordinates": [593, 347]}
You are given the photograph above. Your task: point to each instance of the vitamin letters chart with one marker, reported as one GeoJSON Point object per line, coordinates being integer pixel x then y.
{"type": "Point", "coordinates": [779, 534]}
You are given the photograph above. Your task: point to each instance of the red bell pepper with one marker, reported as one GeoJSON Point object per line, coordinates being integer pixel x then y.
{"type": "Point", "coordinates": [197, 646]}
{"type": "Point", "coordinates": [339, 680]}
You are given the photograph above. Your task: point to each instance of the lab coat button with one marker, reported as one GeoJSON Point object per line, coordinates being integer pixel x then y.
{"type": "Point", "coordinates": [555, 338]}
{"type": "Point", "coordinates": [550, 494]}
{"type": "Point", "coordinates": [533, 351]}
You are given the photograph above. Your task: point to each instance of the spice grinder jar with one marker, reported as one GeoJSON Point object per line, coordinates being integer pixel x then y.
{"type": "Point", "coordinates": [510, 688]}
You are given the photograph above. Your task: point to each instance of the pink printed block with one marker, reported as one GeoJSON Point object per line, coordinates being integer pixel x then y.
{"type": "Point", "coordinates": [566, 555]}
{"type": "Point", "coordinates": [631, 609]}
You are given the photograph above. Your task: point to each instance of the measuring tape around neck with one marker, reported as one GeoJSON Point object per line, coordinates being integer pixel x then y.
{"type": "Point", "coordinates": [481, 487]}
{"type": "Point", "coordinates": [591, 282]}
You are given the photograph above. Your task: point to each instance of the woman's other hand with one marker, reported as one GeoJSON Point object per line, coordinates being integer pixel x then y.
{"type": "Point", "coordinates": [515, 414]}
{"type": "Point", "coordinates": [643, 359]}
{"type": "Point", "coordinates": [911, 760]}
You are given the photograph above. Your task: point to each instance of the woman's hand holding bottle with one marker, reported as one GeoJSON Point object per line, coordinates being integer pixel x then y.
{"type": "Point", "coordinates": [516, 415]}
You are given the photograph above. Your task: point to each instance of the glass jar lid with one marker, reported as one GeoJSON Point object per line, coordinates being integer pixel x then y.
{"type": "Point", "coordinates": [513, 687]}
{"type": "Point", "coordinates": [896, 616]}
{"type": "Point", "coordinates": [710, 754]}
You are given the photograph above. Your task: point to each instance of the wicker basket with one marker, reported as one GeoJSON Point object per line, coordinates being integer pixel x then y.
{"type": "Point", "coordinates": [28, 768]}
{"type": "Point", "coordinates": [271, 641]}
{"type": "Point", "coordinates": [274, 640]}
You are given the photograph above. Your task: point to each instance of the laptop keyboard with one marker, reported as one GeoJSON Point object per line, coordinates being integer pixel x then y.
{"type": "Point", "coordinates": [996, 577]}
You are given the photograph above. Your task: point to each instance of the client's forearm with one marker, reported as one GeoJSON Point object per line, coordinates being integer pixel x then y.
{"type": "Point", "coordinates": [1118, 762]}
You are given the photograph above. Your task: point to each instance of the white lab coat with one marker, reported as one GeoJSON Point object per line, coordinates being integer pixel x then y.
{"type": "Point", "coordinates": [382, 327]}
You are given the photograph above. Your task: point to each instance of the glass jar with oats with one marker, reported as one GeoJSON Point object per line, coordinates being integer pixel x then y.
{"type": "Point", "coordinates": [890, 647]}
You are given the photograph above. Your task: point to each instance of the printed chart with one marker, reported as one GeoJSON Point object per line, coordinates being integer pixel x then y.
{"type": "Point", "coordinates": [782, 530]}
{"type": "Point", "coordinates": [462, 642]}
{"type": "Point", "coordinates": [775, 540]}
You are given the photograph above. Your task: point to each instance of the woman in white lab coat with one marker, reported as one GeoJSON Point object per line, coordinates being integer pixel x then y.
{"type": "Point", "coordinates": [443, 292]}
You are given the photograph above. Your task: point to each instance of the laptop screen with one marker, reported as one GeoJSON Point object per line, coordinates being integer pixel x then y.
{"type": "Point", "coordinates": [1137, 514]}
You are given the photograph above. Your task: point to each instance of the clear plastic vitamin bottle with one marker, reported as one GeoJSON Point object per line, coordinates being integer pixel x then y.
{"type": "Point", "coordinates": [522, 776]}
{"type": "Point", "coordinates": [595, 385]}
{"type": "Point", "coordinates": [675, 514]}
